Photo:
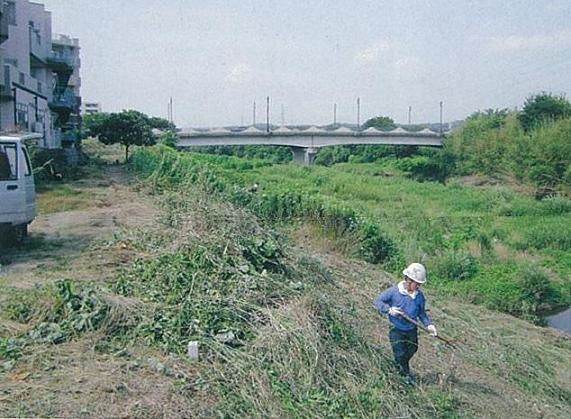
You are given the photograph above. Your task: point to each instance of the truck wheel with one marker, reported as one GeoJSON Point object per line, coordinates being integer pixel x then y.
{"type": "Point", "coordinates": [20, 232]}
{"type": "Point", "coordinates": [15, 235]}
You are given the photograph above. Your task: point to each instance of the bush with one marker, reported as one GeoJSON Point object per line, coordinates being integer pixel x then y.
{"type": "Point", "coordinates": [535, 288]}
{"type": "Point", "coordinates": [455, 265]}
{"type": "Point", "coordinates": [425, 167]}
{"type": "Point", "coordinates": [375, 246]}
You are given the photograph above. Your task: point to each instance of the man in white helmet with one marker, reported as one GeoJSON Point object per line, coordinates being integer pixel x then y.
{"type": "Point", "coordinates": [406, 298]}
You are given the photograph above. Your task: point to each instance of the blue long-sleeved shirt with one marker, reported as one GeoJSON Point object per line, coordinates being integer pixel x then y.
{"type": "Point", "coordinates": [412, 307]}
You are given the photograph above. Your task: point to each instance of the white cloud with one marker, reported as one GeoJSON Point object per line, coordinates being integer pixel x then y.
{"type": "Point", "coordinates": [372, 54]}
{"type": "Point", "coordinates": [240, 73]}
{"type": "Point", "coordinates": [516, 43]}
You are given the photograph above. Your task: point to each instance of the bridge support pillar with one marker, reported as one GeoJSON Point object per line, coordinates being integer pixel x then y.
{"type": "Point", "coordinates": [304, 155]}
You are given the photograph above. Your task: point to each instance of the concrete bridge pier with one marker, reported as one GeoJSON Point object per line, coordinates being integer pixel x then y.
{"type": "Point", "coordinates": [304, 155]}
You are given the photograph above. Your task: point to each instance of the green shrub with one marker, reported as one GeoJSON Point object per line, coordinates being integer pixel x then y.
{"type": "Point", "coordinates": [455, 265]}
{"type": "Point", "coordinates": [536, 288]}
{"type": "Point", "coordinates": [375, 246]}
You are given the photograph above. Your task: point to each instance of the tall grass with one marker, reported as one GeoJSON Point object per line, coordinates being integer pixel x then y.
{"type": "Point", "coordinates": [454, 230]}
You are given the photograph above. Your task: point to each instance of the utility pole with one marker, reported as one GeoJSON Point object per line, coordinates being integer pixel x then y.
{"type": "Point", "coordinates": [358, 113]}
{"type": "Point", "coordinates": [440, 117]}
{"type": "Point", "coordinates": [267, 114]}
{"type": "Point", "coordinates": [283, 119]}
{"type": "Point", "coordinates": [409, 115]}
{"type": "Point", "coordinates": [254, 115]}
{"type": "Point", "coordinates": [334, 114]}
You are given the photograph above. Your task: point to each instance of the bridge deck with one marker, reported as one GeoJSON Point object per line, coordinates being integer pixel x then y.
{"type": "Point", "coordinates": [305, 139]}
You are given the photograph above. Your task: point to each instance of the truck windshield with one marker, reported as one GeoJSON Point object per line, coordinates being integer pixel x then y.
{"type": "Point", "coordinates": [8, 162]}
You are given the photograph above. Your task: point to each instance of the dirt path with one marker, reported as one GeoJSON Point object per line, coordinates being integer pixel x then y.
{"type": "Point", "coordinates": [78, 243]}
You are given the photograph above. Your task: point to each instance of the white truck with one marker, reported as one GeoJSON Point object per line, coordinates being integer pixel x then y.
{"type": "Point", "coordinates": [17, 189]}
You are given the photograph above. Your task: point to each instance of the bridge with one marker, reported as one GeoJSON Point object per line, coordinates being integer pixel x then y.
{"type": "Point", "coordinates": [305, 143]}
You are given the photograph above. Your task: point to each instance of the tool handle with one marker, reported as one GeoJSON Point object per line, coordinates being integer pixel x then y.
{"type": "Point", "coordinates": [418, 324]}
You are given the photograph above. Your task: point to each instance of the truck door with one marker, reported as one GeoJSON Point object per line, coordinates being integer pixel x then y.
{"type": "Point", "coordinates": [28, 184]}
{"type": "Point", "coordinates": [12, 194]}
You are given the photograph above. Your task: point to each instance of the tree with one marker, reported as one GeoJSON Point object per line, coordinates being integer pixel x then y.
{"type": "Point", "coordinates": [381, 122]}
{"type": "Point", "coordinates": [92, 122]}
{"type": "Point", "coordinates": [543, 107]}
{"type": "Point", "coordinates": [127, 128]}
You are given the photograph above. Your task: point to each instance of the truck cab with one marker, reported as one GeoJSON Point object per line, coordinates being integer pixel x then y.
{"type": "Point", "coordinates": [17, 188]}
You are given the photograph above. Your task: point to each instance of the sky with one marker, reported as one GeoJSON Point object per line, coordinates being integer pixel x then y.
{"type": "Point", "coordinates": [216, 58]}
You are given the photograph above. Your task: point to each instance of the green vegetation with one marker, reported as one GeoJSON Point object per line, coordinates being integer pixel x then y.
{"type": "Point", "coordinates": [127, 128]}
{"type": "Point", "coordinates": [286, 331]}
{"type": "Point", "coordinates": [274, 154]}
{"type": "Point", "coordinates": [380, 122]}
{"type": "Point", "coordinates": [531, 147]}
{"type": "Point", "coordinates": [543, 107]}
{"type": "Point", "coordinates": [470, 239]}
{"type": "Point", "coordinates": [494, 143]}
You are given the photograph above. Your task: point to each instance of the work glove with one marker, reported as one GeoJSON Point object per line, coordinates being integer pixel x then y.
{"type": "Point", "coordinates": [395, 311]}
{"type": "Point", "coordinates": [432, 330]}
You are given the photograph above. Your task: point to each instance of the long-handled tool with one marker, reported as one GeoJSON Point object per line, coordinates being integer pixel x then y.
{"type": "Point", "coordinates": [404, 316]}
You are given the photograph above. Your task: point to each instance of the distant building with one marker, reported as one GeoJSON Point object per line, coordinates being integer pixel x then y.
{"type": "Point", "coordinates": [88, 108]}
{"type": "Point", "coordinates": [39, 75]}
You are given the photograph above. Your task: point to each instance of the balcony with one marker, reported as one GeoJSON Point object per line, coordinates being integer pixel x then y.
{"type": "Point", "coordinates": [61, 61]}
{"type": "Point", "coordinates": [64, 101]}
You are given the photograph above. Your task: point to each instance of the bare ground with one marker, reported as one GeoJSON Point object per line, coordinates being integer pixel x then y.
{"type": "Point", "coordinates": [77, 244]}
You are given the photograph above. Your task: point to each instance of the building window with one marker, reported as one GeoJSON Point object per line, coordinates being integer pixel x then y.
{"type": "Point", "coordinates": [22, 115]}
{"type": "Point", "coordinates": [10, 12]}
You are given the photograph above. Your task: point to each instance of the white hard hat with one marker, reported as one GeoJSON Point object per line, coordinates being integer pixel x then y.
{"type": "Point", "coordinates": [416, 272]}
